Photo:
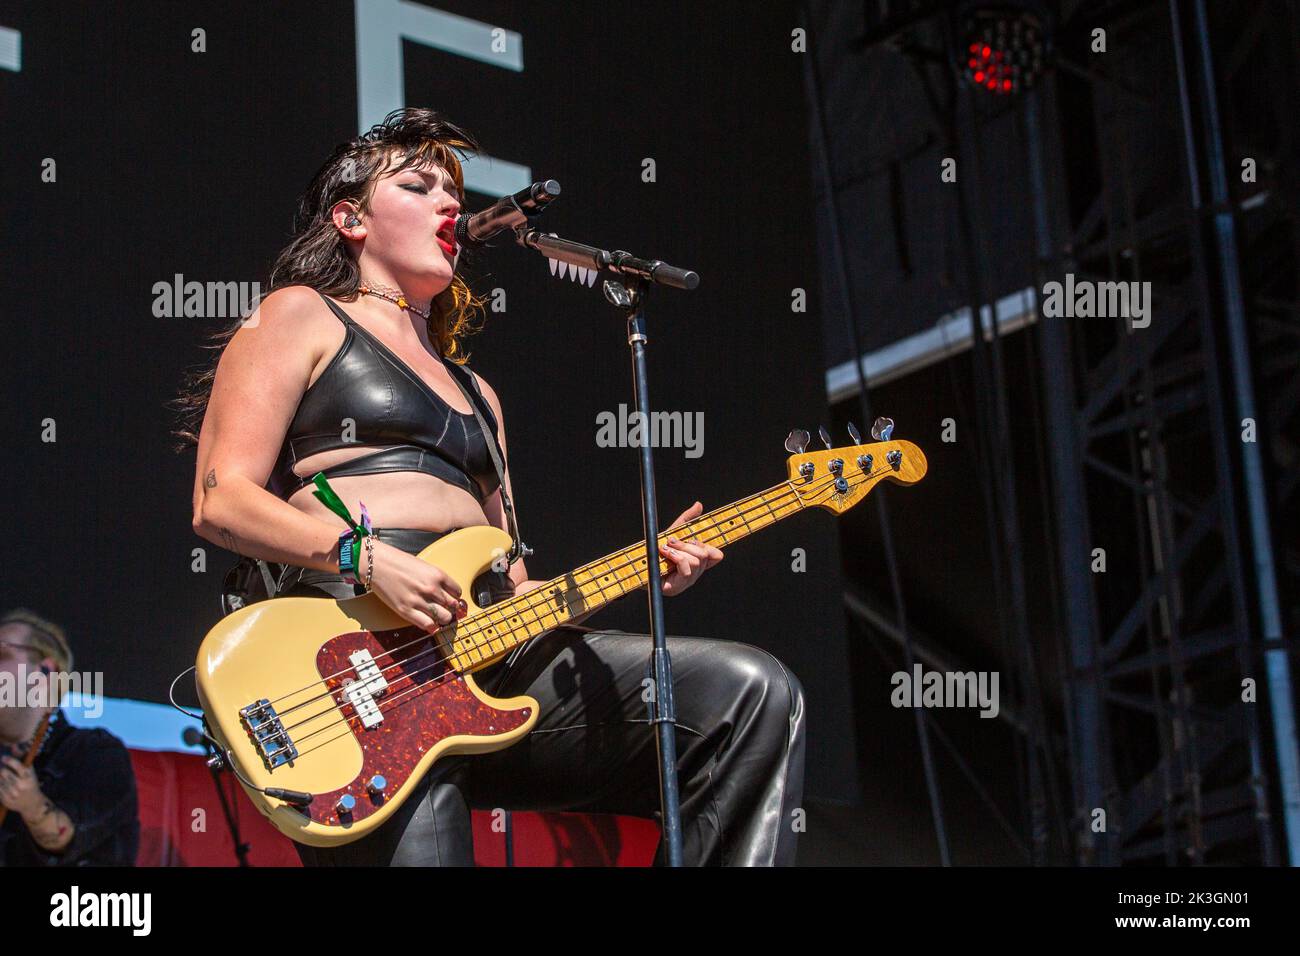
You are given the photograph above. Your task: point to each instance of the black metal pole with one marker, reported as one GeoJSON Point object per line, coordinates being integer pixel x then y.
{"type": "Point", "coordinates": [821, 141]}
{"type": "Point", "coordinates": [1224, 242]}
{"type": "Point", "coordinates": [987, 360]}
{"type": "Point", "coordinates": [1086, 707]}
{"type": "Point", "coordinates": [1234, 558]}
{"type": "Point", "coordinates": [215, 767]}
{"type": "Point", "coordinates": [630, 295]}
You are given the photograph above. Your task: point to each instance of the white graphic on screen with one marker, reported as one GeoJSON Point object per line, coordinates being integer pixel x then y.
{"type": "Point", "coordinates": [382, 25]}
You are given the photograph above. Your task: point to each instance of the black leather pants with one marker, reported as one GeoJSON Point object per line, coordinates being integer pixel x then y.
{"type": "Point", "coordinates": [740, 746]}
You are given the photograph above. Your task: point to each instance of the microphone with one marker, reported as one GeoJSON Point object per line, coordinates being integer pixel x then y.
{"type": "Point", "coordinates": [475, 229]}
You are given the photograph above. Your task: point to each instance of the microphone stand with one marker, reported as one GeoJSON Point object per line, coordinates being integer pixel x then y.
{"type": "Point", "coordinates": [215, 763]}
{"type": "Point", "coordinates": [628, 295]}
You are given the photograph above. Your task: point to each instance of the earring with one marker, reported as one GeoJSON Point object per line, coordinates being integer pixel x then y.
{"type": "Point", "coordinates": [351, 221]}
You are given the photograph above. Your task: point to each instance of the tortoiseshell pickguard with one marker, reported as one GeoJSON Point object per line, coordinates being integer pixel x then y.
{"type": "Point", "coordinates": [425, 702]}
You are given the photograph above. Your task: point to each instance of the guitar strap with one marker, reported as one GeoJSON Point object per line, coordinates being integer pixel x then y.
{"type": "Point", "coordinates": [477, 402]}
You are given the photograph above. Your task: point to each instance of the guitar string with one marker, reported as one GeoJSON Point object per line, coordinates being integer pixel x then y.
{"type": "Point", "coordinates": [392, 702]}
{"type": "Point", "coordinates": [528, 598]}
{"type": "Point", "coordinates": [501, 610]}
{"type": "Point", "coordinates": [478, 619]}
{"type": "Point", "coordinates": [335, 705]}
{"type": "Point", "coordinates": [399, 698]}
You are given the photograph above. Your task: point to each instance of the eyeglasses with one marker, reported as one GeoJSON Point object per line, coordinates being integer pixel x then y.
{"type": "Point", "coordinates": [24, 647]}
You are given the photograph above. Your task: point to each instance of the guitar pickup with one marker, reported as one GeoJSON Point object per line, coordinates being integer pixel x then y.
{"type": "Point", "coordinates": [363, 692]}
{"type": "Point", "coordinates": [368, 672]}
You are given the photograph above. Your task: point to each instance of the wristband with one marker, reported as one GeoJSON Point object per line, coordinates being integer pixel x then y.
{"type": "Point", "coordinates": [350, 540]}
{"type": "Point", "coordinates": [349, 549]}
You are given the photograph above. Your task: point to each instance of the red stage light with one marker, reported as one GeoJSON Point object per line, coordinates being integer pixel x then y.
{"type": "Point", "coordinates": [1007, 46]}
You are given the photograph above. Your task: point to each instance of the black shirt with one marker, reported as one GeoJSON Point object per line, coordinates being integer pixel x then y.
{"type": "Point", "coordinates": [87, 774]}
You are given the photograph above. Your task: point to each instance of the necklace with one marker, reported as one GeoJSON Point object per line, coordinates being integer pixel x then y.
{"type": "Point", "coordinates": [392, 295]}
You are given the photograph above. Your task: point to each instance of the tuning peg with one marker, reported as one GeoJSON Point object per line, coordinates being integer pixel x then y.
{"type": "Point", "coordinates": [796, 441]}
{"type": "Point", "coordinates": [853, 433]}
{"type": "Point", "coordinates": [882, 429]}
{"type": "Point", "coordinates": [824, 435]}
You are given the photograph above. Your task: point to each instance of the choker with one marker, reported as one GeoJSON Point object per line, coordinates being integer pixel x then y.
{"type": "Point", "coordinates": [392, 295]}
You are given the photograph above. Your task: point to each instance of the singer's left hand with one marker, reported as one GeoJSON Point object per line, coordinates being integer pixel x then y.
{"type": "Point", "coordinates": [692, 557]}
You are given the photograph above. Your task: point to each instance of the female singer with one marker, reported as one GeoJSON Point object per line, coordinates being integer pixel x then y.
{"type": "Point", "coordinates": [350, 366]}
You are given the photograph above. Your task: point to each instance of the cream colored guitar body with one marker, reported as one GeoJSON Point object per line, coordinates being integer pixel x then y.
{"type": "Point", "coordinates": [323, 742]}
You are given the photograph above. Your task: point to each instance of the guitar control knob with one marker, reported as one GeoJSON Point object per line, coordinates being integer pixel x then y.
{"type": "Point", "coordinates": [865, 462]}
{"type": "Point", "coordinates": [895, 459]}
{"type": "Point", "coordinates": [807, 469]}
{"type": "Point", "coordinates": [376, 786]}
{"type": "Point", "coordinates": [345, 805]}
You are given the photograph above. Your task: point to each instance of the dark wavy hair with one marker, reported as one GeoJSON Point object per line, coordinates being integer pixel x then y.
{"type": "Point", "coordinates": [317, 255]}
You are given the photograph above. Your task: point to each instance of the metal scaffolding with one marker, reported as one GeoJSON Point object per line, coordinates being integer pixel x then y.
{"type": "Point", "coordinates": [1169, 757]}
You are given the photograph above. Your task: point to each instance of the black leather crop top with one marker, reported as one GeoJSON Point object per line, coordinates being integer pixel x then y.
{"type": "Point", "coordinates": [392, 406]}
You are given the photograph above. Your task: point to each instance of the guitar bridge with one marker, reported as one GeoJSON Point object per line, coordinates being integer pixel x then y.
{"type": "Point", "coordinates": [268, 734]}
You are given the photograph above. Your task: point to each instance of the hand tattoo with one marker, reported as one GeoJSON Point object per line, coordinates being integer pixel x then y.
{"type": "Point", "coordinates": [51, 842]}
{"type": "Point", "coordinates": [210, 481]}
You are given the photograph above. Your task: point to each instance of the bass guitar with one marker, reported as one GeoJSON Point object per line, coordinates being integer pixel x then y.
{"type": "Point", "coordinates": [331, 711]}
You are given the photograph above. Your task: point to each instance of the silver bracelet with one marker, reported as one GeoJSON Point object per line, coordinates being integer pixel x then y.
{"type": "Point", "coordinates": [370, 553]}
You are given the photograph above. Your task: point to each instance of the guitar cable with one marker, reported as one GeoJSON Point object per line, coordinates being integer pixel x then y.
{"type": "Point", "coordinates": [296, 798]}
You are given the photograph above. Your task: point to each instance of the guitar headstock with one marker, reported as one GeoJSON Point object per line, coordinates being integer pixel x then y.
{"type": "Point", "coordinates": [838, 478]}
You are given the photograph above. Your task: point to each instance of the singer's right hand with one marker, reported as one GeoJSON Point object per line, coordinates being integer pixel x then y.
{"type": "Point", "coordinates": [420, 592]}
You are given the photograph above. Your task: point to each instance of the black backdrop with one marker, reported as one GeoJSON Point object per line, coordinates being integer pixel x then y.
{"type": "Point", "coordinates": [170, 161]}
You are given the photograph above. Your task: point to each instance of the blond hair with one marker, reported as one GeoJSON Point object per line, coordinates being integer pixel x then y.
{"type": "Point", "coordinates": [47, 636]}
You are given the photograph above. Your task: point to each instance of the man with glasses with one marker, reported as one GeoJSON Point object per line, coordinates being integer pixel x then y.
{"type": "Point", "coordinates": [73, 801]}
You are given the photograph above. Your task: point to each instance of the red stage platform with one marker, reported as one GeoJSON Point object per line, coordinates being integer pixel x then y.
{"type": "Point", "coordinates": [181, 824]}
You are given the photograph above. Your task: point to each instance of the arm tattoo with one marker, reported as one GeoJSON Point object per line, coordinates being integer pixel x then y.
{"type": "Point", "coordinates": [229, 541]}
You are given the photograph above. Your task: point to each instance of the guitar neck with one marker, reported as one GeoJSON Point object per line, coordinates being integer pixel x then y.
{"type": "Point", "coordinates": [493, 633]}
